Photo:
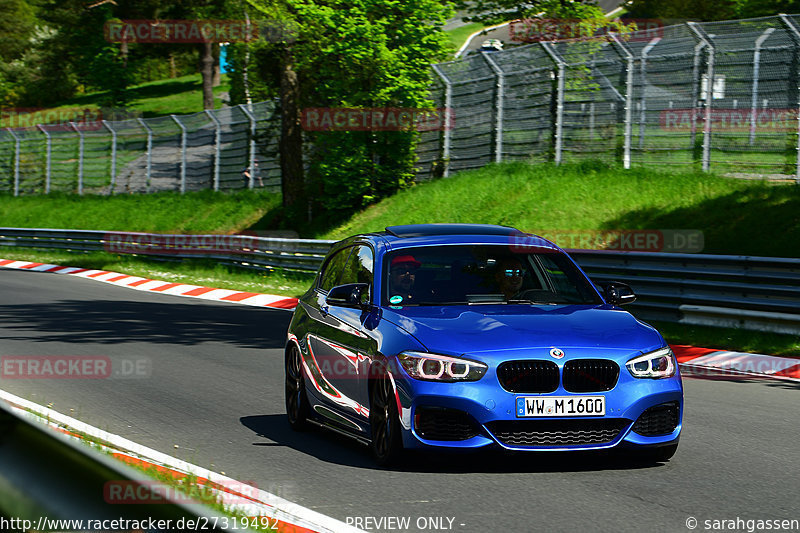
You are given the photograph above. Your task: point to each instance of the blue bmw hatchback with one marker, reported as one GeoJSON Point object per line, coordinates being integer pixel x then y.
{"type": "Point", "coordinates": [442, 336]}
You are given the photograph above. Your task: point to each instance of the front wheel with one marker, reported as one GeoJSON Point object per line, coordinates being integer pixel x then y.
{"type": "Point", "coordinates": [661, 454]}
{"type": "Point", "coordinates": [297, 408]}
{"type": "Point", "coordinates": [384, 421]}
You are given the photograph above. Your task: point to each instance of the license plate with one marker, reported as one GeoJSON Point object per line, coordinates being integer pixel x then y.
{"type": "Point", "coordinates": [534, 406]}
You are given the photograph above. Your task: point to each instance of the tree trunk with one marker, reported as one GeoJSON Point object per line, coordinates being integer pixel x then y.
{"type": "Point", "coordinates": [173, 71]}
{"type": "Point", "coordinates": [215, 79]}
{"type": "Point", "coordinates": [291, 142]}
{"type": "Point", "coordinates": [207, 71]}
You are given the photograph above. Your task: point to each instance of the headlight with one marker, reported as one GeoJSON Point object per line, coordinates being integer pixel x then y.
{"type": "Point", "coordinates": [432, 367]}
{"type": "Point", "coordinates": [657, 364]}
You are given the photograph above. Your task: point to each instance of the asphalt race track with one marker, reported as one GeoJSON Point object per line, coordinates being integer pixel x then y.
{"type": "Point", "coordinates": [213, 395]}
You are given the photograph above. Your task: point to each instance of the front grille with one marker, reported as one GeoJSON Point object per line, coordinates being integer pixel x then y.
{"type": "Point", "coordinates": [590, 375]}
{"type": "Point", "coordinates": [436, 423]}
{"type": "Point", "coordinates": [528, 376]}
{"type": "Point", "coordinates": [535, 433]}
{"type": "Point", "coordinates": [659, 420]}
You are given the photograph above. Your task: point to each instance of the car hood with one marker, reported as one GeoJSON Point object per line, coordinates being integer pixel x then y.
{"type": "Point", "coordinates": [458, 330]}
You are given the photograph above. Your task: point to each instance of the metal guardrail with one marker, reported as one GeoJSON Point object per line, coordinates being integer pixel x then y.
{"type": "Point", "coordinates": [752, 292]}
{"type": "Point", "coordinates": [45, 478]}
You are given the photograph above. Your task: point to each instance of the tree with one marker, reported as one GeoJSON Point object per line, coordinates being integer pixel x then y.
{"type": "Point", "coordinates": [679, 10]}
{"type": "Point", "coordinates": [339, 53]}
{"type": "Point", "coordinates": [764, 8]}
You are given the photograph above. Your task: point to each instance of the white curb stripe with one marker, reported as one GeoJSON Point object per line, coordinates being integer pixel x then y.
{"type": "Point", "coordinates": [152, 285]}
{"type": "Point", "coordinates": [275, 506]}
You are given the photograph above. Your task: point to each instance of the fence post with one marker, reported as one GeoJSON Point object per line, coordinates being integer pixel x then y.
{"type": "Point", "coordinates": [448, 103]}
{"type": "Point", "coordinates": [113, 156]}
{"type": "Point", "coordinates": [551, 51]}
{"type": "Point", "coordinates": [251, 165]}
{"type": "Point", "coordinates": [695, 90]}
{"type": "Point", "coordinates": [183, 152]}
{"type": "Point", "coordinates": [80, 157]}
{"type": "Point", "coordinates": [217, 140]}
{"type": "Point", "coordinates": [795, 33]}
{"type": "Point", "coordinates": [700, 33]}
{"type": "Point", "coordinates": [756, 66]}
{"type": "Point", "coordinates": [498, 126]}
{"type": "Point", "coordinates": [48, 163]}
{"type": "Point", "coordinates": [643, 101]}
{"type": "Point", "coordinates": [149, 151]}
{"type": "Point", "coordinates": [627, 55]}
{"type": "Point", "coordinates": [17, 148]}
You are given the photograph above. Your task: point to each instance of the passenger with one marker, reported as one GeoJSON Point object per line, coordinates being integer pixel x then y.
{"type": "Point", "coordinates": [402, 276]}
{"type": "Point", "coordinates": [510, 276]}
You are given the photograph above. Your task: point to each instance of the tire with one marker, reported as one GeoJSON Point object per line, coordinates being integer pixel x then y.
{"type": "Point", "coordinates": [384, 421]}
{"type": "Point", "coordinates": [661, 454]}
{"type": "Point", "coordinates": [297, 407]}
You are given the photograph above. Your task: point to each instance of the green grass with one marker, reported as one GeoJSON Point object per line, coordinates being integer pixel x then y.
{"type": "Point", "coordinates": [736, 216]}
{"type": "Point", "coordinates": [166, 212]}
{"type": "Point", "coordinates": [459, 35]}
{"type": "Point", "coordinates": [177, 96]}
{"type": "Point", "coordinates": [739, 340]}
{"type": "Point", "coordinates": [193, 272]}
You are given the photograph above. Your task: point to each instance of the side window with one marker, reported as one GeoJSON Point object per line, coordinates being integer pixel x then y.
{"type": "Point", "coordinates": [333, 270]}
{"type": "Point", "coordinates": [359, 267]}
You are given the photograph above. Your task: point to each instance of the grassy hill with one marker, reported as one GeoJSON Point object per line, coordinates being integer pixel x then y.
{"type": "Point", "coordinates": [736, 216]}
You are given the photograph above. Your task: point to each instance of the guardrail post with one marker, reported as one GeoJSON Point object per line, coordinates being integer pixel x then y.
{"type": "Point", "coordinates": [17, 149]}
{"type": "Point", "coordinates": [559, 137]}
{"type": "Point", "coordinates": [80, 157]}
{"type": "Point", "coordinates": [756, 64]}
{"type": "Point", "coordinates": [701, 36]}
{"type": "Point", "coordinates": [183, 152]}
{"type": "Point", "coordinates": [149, 151]}
{"type": "Point", "coordinates": [113, 155]}
{"type": "Point", "coordinates": [251, 165]}
{"type": "Point", "coordinates": [795, 33]}
{"type": "Point", "coordinates": [217, 140]}
{"type": "Point", "coordinates": [448, 104]}
{"type": "Point", "coordinates": [498, 125]}
{"type": "Point", "coordinates": [627, 55]}
{"type": "Point", "coordinates": [48, 163]}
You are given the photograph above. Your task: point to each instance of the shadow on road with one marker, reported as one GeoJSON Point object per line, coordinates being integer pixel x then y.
{"type": "Point", "coordinates": [332, 448]}
{"type": "Point", "coordinates": [122, 321]}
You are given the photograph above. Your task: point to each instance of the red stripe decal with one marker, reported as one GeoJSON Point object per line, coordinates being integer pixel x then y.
{"type": "Point", "coordinates": [57, 269]}
{"type": "Point", "coordinates": [5, 262]}
{"type": "Point", "coordinates": [239, 296]}
{"type": "Point", "coordinates": [79, 271]}
{"type": "Point", "coordinates": [117, 278]}
{"type": "Point", "coordinates": [32, 265]}
{"type": "Point", "coordinates": [687, 353]}
{"type": "Point", "coordinates": [102, 272]}
{"type": "Point", "coordinates": [165, 287]}
{"type": "Point", "coordinates": [198, 291]}
{"type": "Point", "coordinates": [140, 282]}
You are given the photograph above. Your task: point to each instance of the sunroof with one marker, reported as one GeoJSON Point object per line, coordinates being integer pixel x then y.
{"type": "Point", "coordinates": [423, 230]}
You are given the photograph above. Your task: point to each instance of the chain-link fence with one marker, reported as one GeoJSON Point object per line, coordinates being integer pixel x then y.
{"type": "Point", "coordinates": [226, 149]}
{"type": "Point", "coordinates": [720, 96]}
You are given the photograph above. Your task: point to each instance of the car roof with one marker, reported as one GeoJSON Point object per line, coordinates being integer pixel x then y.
{"type": "Point", "coordinates": [414, 235]}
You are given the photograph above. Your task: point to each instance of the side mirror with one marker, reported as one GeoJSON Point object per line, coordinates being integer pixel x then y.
{"type": "Point", "coordinates": [350, 295]}
{"type": "Point", "coordinates": [618, 293]}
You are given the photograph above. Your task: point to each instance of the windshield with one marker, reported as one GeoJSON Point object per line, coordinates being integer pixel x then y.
{"type": "Point", "coordinates": [483, 274]}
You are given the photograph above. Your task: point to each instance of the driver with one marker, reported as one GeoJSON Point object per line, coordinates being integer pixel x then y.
{"type": "Point", "coordinates": [402, 275]}
{"type": "Point", "coordinates": [509, 276]}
